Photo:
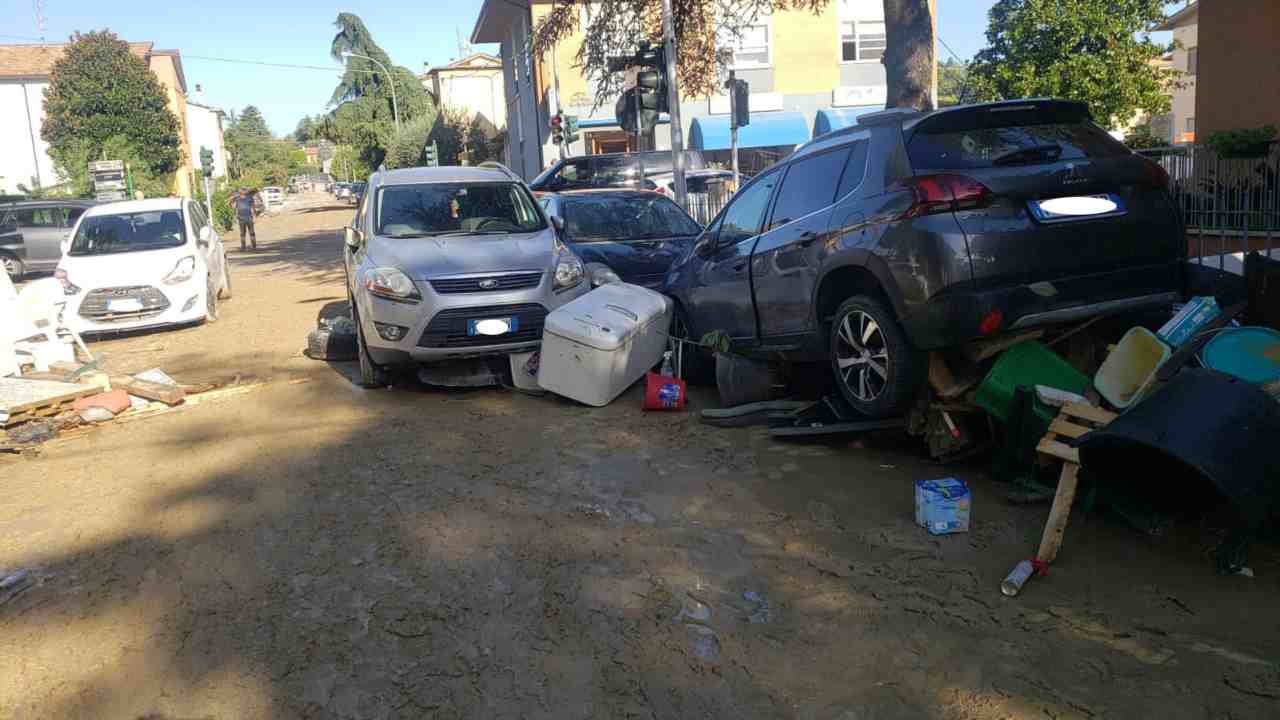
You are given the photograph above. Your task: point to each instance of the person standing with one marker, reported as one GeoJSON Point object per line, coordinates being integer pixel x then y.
{"type": "Point", "coordinates": [242, 202]}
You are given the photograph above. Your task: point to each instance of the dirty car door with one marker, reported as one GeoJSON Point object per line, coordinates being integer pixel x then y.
{"type": "Point", "coordinates": [720, 296]}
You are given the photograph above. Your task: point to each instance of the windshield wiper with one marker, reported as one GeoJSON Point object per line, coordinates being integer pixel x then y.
{"type": "Point", "coordinates": [1050, 151]}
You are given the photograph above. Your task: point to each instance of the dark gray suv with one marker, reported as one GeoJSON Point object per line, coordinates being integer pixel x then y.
{"type": "Point", "coordinates": [914, 231]}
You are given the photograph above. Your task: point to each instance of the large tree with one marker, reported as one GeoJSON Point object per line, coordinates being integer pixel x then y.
{"type": "Point", "coordinates": [104, 101]}
{"type": "Point", "coordinates": [364, 115]}
{"type": "Point", "coordinates": [704, 27]}
{"type": "Point", "coordinates": [1088, 50]}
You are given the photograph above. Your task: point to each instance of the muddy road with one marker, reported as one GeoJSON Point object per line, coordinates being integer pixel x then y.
{"type": "Point", "coordinates": [311, 549]}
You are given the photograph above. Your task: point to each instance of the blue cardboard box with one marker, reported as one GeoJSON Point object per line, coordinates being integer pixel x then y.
{"type": "Point", "coordinates": [942, 506]}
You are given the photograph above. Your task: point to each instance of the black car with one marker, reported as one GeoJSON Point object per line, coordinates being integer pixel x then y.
{"type": "Point", "coordinates": [636, 234]}
{"type": "Point", "coordinates": [914, 231]}
{"type": "Point", "coordinates": [612, 170]}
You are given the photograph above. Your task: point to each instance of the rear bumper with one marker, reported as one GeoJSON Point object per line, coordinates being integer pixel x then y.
{"type": "Point", "coordinates": [951, 318]}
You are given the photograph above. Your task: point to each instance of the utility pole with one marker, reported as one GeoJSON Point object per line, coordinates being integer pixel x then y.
{"type": "Point", "coordinates": [639, 137]}
{"type": "Point", "coordinates": [673, 93]}
{"type": "Point", "coordinates": [733, 125]}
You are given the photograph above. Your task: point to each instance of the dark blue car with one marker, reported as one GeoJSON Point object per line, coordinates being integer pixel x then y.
{"type": "Point", "coordinates": [635, 233]}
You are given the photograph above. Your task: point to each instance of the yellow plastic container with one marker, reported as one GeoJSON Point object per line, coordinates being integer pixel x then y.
{"type": "Point", "coordinates": [1130, 369]}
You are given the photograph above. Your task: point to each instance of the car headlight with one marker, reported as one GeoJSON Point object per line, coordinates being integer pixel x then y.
{"type": "Point", "coordinates": [181, 272]}
{"type": "Point", "coordinates": [569, 272]}
{"type": "Point", "coordinates": [601, 274]}
{"type": "Point", "coordinates": [391, 284]}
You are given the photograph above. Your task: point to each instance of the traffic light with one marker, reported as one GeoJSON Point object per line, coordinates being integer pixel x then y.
{"type": "Point", "coordinates": [206, 160]}
{"type": "Point", "coordinates": [557, 129]}
{"type": "Point", "coordinates": [651, 88]}
{"type": "Point", "coordinates": [431, 155]}
{"type": "Point", "coordinates": [740, 110]}
{"type": "Point", "coordinates": [571, 128]}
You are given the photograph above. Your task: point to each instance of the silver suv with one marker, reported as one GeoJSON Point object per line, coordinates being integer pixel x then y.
{"type": "Point", "coordinates": [452, 262]}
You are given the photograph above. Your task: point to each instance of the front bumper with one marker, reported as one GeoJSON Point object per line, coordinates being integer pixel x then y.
{"type": "Point", "coordinates": [184, 303]}
{"type": "Point", "coordinates": [436, 326]}
{"type": "Point", "coordinates": [951, 318]}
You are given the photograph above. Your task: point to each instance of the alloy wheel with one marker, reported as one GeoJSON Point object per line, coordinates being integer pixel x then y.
{"type": "Point", "coordinates": [862, 356]}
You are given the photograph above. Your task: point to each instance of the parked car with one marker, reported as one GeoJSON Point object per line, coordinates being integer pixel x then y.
{"type": "Point", "coordinates": [272, 197]}
{"type": "Point", "coordinates": [634, 234]}
{"type": "Point", "coordinates": [611, 170]}
{"type": "Point", "coordinates": [31, 233]}
{"type": "Point", "coordinates": [452, 262]}
{"type": "Point", "coordinates": [357, 193]}
{"type": "Point", "coordinates": [143, 263]}
{"type": "Point", "coordinates": [912, 231]}
{"type": "Point", "coordinates": [342, 191]}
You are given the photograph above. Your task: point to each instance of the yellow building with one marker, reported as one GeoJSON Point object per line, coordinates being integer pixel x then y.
{"type": "Point", "coordinates": [808, 73]}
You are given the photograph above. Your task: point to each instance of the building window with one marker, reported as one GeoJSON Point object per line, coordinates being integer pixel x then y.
{"type": "Point", "coordinates": [751, 48]}
{"type": "Point", "coordinates": [1191, 124]}
{"type": "Point", "coordinates": [862, 41]}
{"type": "Point", "coordinates": [1193, 60]}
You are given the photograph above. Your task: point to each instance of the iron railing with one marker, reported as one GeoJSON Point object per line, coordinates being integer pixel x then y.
{"type": "Point", "coordinates": [1228, 204]}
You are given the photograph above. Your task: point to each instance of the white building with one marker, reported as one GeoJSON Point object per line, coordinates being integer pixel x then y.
{"type": "Point", "coordinates": [473, 85]}
{"type": "Point", "coordinates": [1181, 124]}
{"type": "Point", "coordinates": [24, 156]}
{"type": "Point", "coordinates": [204, 130]}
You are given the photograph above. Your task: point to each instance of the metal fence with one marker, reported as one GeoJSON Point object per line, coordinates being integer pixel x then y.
{"type": "Point", "coordinates": [1227, 204]}
{"type": "Point", "coordinates": [703, 206]}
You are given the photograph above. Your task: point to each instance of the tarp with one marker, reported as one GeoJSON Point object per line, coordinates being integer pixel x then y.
{"type": "Point", "coordinates": [767, 129]}
{"type": "Point", "coordinates": [831, 119]}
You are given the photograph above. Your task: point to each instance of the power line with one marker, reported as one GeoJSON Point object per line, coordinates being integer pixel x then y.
{"type": "Point", "coordinates": [264, 63]}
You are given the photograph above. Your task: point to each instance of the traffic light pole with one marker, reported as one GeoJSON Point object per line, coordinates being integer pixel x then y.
{"type": "Point", "coordinates": [733, 129]}
{"type": "Point", "coordinates": [640, 177]}
{"type": "Point", "coordinates": [673, 90]}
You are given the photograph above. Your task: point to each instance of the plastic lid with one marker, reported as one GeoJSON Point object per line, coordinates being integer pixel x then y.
{"type": "Point", "coordinates": [1249, 353]}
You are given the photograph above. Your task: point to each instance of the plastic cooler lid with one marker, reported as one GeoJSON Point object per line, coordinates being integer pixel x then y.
{"type": "Point", "coordinates": [1249, 353]}
{"type": "Point", "coordinates": [607, 317]}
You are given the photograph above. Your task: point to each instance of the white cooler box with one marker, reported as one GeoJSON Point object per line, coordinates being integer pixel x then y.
{"type": "Point", "coordinates": [598, 345]}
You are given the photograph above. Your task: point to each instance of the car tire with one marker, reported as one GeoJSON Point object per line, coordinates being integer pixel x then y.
{"type": "Point", "coordinates": [699, 364]}
{"type": "Point", "coordinates": [225, 293]}
{"type": "Point", "coordinates": [13, 266]}
{"type": "Point", "coordinates": [876, 369]}
{"type": "Point", "coordinates": [211, 302]}
{"type": "Point", "coordinates": [372, 375]}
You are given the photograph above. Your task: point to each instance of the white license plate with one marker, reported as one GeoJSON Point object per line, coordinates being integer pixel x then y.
{"type": "Point", "coordinates": [124, 305]}
{"type": "Point", "coordinates": [1079, 207]}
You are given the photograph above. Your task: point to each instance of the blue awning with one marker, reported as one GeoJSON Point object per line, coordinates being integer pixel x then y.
{"type": "Point", "coordinates": [767, 129]}
{"type": "Point", "coordinates": [836, 118]}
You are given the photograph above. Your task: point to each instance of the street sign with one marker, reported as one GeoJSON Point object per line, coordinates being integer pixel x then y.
{"type": "Point", "coordinates": [104, 185]}
{"type": "Point", "coordinates": [106, 166]}
{"type": "Point", "coordinates": [109, 195]}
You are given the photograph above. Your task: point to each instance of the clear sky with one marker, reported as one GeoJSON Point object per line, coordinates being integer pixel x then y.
{"type": "Point", "coordinates": [299, 32]}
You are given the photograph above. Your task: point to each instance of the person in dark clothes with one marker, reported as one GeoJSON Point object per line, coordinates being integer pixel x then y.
{"type": "Point", "coordinates": [242, 202]}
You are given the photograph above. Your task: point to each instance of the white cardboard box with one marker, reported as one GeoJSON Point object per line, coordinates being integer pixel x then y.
{"type": "Point", "coordinates": [598, 345]}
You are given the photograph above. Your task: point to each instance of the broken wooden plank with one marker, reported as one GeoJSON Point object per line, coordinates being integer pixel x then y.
{"type": "Point", "coordinates": [1056, 527]}
{"type": "Point", "coordinates": [1058, 449]}
{"type": "Point", "coordinates": [167, 394]}
{"type": "Point", "coordinates": [980, 350]}
{"type": "Point", "coordinates": [1071, 430]}
{"type": "Point", "coordinates": [1089, 412]}
{"type": "Point", "coordinates": [943, 381]}
{"type": "Point", "coordinates": [19, 397]}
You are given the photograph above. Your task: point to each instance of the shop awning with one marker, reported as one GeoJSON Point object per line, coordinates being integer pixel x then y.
{"type": "Point", "coordinates": [832, 119]}
{"type": "Point", "coordinates": [767, 129]}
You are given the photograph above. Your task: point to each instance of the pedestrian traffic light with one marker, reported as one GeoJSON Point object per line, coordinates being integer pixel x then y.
{"type": "Point", "coordinates": [571, 128]}
{"type": "Point", "coordinates": [431, 155]}
{"type": "Point", "coordinates": [206, 159]}
{"type": "Point", "coordinates": [557, 129]}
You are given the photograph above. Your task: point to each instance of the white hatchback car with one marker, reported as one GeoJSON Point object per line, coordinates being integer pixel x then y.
{"type": "Point", "coordinates": [143, 263]}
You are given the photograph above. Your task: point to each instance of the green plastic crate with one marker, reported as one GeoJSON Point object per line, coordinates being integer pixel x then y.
{"type": "Point", "coordinates": [1027, 364]}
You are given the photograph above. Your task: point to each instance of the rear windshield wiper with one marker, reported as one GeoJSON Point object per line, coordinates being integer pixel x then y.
{"type": "Point", "coordinates": [1050, 151]}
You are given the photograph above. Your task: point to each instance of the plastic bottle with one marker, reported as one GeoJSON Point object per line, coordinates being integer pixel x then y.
{"type": "Point", "coordinates": [666, 365]}
{"type": "Point", "coordinates": [1013, 583]}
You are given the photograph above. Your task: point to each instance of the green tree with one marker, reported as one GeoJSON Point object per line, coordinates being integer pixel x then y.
{"type": "Point", "coordinates": [251, 123]}
{"type": "Point", "coordinates": [407, 145]}
{"type": "Point", "coordinates": [953, 79]}
{"type": "Point", "coordinates": [105, 103]}
{"type": "Point", "coordinates": [347, 164]}
{"type": "Point", "coordinates": [1087, 50]}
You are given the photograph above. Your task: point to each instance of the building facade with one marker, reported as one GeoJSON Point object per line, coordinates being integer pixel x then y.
{"type": "Point", "coordinates": [472, 85]}
{"type": "Point", "coordinates": [808, 73]}
{"type": "Point", "coordinates": [1238, 65]}
{"type": "Point", "coordinates": [24, 75]}
{"type": "Point", "coordinates": [204, 130]}
{"type": "Point", "coordinates": [1180, 124]}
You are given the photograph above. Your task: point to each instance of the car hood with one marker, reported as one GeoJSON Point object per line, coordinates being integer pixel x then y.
{"type": "Point", "coordinates": [642, 262]}
{"type": "Point", "coordinates": [432, 257]}
{"type": "Point", "coordinates": [147, 267]}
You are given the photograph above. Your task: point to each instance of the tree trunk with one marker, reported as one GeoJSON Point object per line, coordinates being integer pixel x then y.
{"type": "Point", "coordinates": [908, 59]}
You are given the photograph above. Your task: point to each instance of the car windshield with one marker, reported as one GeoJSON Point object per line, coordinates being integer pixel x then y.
{"type": "Point", "coordinates": [1008, 136]}
{"type": "Point", "coordinates": [129, 232]}
{"type": "Point", "coordinates": [456, 209]}
{"type": "Point", "coordinates": [633, 216]}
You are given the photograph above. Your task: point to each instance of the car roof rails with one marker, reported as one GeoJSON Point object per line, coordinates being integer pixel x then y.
{"type": "Point", "coordinates": [891, 115]}
{"type": "Point", "coordinates": [495, 165]}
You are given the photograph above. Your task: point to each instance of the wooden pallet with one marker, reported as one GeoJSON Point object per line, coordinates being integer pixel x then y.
{"type": "Point", "coordinates": [24, 399]}
{"type": "Point", "coordinates": [1074, 421]}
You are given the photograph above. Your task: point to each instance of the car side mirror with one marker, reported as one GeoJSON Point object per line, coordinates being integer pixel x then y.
{"type": "Point", "coordinates": [355, 238]}
{"type": "Point", "coordinates": [558, 223]}
{"type": "Point", "coordinates": [66, 242]}
{"type": "Point", "coordinates": [206, 234]}
{"type": "Point", "coordinates": [705, 246]}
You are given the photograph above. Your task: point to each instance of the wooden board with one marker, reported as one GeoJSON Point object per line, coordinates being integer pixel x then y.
{"type": "Point", "coordinates": [1056, 526]}
{"type": "Point", "coordinates": [21, 398]}
{"type": "Point", "coordinates": [167, 394]}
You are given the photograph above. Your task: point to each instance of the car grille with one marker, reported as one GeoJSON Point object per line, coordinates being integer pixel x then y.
{"type": "Point", "coordinates": [448, 329]}
{"type": "Point", "coordinates": [94, 305]}
{"type": "Point", "coordinates": [500, 283]}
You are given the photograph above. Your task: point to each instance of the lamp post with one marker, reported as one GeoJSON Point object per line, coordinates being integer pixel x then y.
{"type": "Point", "coordinates": [395, 108]}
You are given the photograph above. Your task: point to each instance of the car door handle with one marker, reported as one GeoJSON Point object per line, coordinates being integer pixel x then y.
{"type": "Point", "coordinates": [807, 237]}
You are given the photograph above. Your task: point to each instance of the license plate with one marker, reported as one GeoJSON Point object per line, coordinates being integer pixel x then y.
{"type": "Point", "coordinates": [492, 326]}
{"type": "Point", "coordinates": [124, 305]}
{"type": "Point", "coordinates": [1079, 207]}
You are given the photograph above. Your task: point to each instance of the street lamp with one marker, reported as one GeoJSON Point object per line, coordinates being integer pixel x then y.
{"type": "Point", "coordinates": [395, 108]}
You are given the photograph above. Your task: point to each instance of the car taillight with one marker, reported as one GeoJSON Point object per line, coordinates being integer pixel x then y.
{"type": "Point", "coordinates": [1156, 175]}
{"type": "Point", "coordinates": [944, 193]}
